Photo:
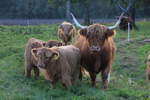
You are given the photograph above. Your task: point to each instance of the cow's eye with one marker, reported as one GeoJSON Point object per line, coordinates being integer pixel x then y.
{"type": "Point", "coordinates": [148, 60]}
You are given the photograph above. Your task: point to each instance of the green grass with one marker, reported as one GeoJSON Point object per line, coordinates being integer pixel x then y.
{"type": "Point", "coordinates": [128, 78]}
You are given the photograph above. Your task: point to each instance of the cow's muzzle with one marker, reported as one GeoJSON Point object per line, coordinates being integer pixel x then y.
{"type": "Point", "coordinates": [95, 49]}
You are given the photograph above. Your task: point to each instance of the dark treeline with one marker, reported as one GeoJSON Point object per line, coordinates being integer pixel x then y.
{"type": "Point", "coordinates": [42, 9]}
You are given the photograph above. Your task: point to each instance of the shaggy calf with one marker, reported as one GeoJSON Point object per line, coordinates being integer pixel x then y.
{"type": "Point", "coordinates": [52, 43]}
{"type": "Point", "coordinates": [30, 61]}
{"type": "Point", "coordinates": [61, 63]}
{"type": "Point", "coordinates": [66, 32]}
{"type": "Point", "coordinates": [148, 67]}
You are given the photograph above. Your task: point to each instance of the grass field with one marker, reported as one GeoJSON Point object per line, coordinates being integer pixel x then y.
{"type": "Point", "coordinates": [128, 79]}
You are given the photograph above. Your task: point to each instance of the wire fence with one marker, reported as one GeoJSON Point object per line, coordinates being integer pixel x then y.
{"type": "Point", "coordinates": [55, 21]}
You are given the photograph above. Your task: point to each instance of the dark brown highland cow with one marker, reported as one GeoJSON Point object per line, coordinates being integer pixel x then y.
{"type": "Point", "coordinates": [61, 63]}
{"type": "Point", "coordinates": [66, 32]}
{"type": "Point", "coordinates": [97, 49]}
{"type": "Point", "coordinates": [124, 23]}
{"type": "Point", "coordinates": [30, 61]}
{"type": "Point", "coordinates": [148, 67]}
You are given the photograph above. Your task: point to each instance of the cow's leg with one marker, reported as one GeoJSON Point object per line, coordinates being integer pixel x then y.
{"type": "Point", "coordinates": [76, 77]}
{"type": "Point", "coordinates": [36, 72]}
{"type": "Point", "coordinates": [53, 83]}
{"type": "Point", "coordinates": [148, 73]}
{"type": "Point", "coordinates": [93, 78]}
{"type": "Point", "coordinates": [80, 74]}
{"type": "Point", "coordinates": [28, 70]}
{"type": "Point", "coordinates": [106, 77]}
{"type": "Point", "coordinates": [66, 81]}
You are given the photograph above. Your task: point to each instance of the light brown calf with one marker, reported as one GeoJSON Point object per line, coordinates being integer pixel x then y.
{"type": "Point", "coordinates": [66, 32]}
{"type": "Point", "coordinates": [148, 67]}
{"type": "Point", "coordinates": [61, 63]}
{"type": "Point", "coordinates": [30, 61]}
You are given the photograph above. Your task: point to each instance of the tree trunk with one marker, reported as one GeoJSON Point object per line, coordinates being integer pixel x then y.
{"type": "Point", "coordinates": [68, 6]}
{"type": "Point", "coordinates": [132, 14]}
{"type": "Point", "coordinates": [87, 17]}
{"type": "Point", "coordinates": [87, 20]}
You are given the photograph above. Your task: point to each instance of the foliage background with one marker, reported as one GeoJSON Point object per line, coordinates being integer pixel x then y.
{"type": "Point", "coordinates": [29, 9]}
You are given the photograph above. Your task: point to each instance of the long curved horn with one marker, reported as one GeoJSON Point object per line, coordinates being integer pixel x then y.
{"type": "Point", "coordinates": [76, 22]}
{"type": "Point", "coordinates": [125, 9]}
{"type": "Point", "coordinates": [117, 23]}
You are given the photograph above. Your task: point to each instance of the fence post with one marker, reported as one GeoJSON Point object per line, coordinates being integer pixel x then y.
{"type": "Point", "coordinates": [128, 32]}
{"type": "Point", "coordinates": [28, 23]}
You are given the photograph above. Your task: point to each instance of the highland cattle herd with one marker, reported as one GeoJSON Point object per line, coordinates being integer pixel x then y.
{"type": "Point", "coordinates": [89, 48]}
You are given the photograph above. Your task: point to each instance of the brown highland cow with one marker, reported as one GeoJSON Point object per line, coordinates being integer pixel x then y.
{"type": "Point", "coordinates": [61, 63]}
{"type": "Point", "coordinates": [148, 67]}
{"type": "Point", "coordinates": [97, 49]}
{"type": "Point", "coordinates": [30, 61]}
{"type": "Point", "coordinates": [66, 32]}
{"type": "Point", "coordinates": [124, 23]}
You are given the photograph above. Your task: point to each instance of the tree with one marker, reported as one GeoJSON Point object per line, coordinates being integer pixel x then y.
{"type": "Point", "coordinates": [68, 8]}
{"type": "Point", "coordinates": [86, 8]}
{"type": "Point", "coordinates": [57, 3]}
{"type": "Point", "coordinates": [84, 3]}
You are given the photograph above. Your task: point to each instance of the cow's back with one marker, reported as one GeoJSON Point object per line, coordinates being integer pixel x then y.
{"type": "Point", "coordinates": [72, 56]}
{"type": "Point", "coordinates": [70, 52]}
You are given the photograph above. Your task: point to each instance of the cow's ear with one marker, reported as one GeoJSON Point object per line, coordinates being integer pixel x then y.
{"type": "Point", "coordinates": [61, 44]}
{"type": "Point", "coordinates": [83, 32]}
{"type": "Point", "coordinates": [34, 53]}
{"type": "Point", "coordinates": [44, 44]}
{"type": "Point", "coordinates": [56, 55]}
{"type": "Point", "coordinates": [110, 32]}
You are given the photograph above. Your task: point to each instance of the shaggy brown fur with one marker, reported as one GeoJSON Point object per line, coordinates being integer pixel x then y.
{"type": "Point", "coordinates": [30, 62]}
{"type": "Point", "coordinates": [148, 67]}
{"type": "Point", "coordinates": [52, 43]}
{"type": "Point", "coordinates": [97, 50]}
{"type": "Point", "coordinates": [61, 63]}
{"type": "Point", "coordinates": [66, 32]}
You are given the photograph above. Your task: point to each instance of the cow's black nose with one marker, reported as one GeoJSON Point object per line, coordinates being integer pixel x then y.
{"type": "Point", "coordinates": [95, 49]}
